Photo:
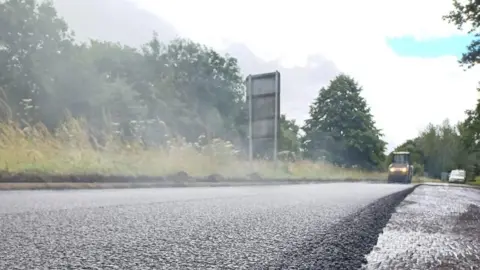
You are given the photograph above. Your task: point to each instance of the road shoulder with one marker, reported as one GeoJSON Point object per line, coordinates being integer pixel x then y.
{"type": "Point", "coordinates": [435, 227]}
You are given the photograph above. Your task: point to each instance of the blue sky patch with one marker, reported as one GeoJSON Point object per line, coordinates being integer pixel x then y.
{"type": "Point", "coordinates": [408, 46]}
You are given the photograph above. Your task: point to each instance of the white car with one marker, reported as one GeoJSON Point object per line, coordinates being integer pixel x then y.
{"type": "Point", "coordinates": [457, 176]}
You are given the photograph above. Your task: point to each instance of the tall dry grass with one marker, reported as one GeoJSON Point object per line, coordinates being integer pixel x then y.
{"type": "Point", "coordinates": [68, 150]}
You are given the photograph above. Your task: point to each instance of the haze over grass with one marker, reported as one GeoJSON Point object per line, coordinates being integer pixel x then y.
{"type": "Point", "coordinates": [69, 151]}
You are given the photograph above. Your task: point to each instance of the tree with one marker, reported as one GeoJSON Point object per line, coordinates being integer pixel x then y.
{"type": "Point", "coordinates": [187, 87]}
{"type": "Point", "coordinates": [288, 137]}
{"type": "Point", "coordinates": [441, 147]}
{"type": "Point", "coordinates": [33, 40]}
{"type": "Point", "coordinates": [341, 128]}
{"type": "Point", "coordinates": [467, 13]}
{"type": "Point", "coordinates": [208, 84]}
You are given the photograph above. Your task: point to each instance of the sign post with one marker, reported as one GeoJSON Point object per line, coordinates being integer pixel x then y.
{"type": "Point", "coordinates": [263, 96]}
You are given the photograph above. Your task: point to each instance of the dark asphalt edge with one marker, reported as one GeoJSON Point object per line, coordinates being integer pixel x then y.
{"type": "Point", "coordinates": [346, 244]}
{"type": "Point", "coordinates": [41, 180]}
{"type": "Point", "coordinates": [41, 177]}
{"type": "Point", "coordinates": [5, 186]}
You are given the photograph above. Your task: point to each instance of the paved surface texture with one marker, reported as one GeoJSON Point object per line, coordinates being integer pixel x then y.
{"type": "Point", "coordinates": [435, 227]}
{"type": "Point", "coordinates": [323, 226]}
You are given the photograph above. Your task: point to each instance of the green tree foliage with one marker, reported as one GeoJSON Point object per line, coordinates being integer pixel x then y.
{"type": "Point", "coordinates": [441, 147]}
{"type": "Point", "coordinates": [341, 128]}
{"type": "Point", "coordinates": [289, 137]}
{"type": "Point", "coordinates": [467, 13]}
{"type": "Point", "coordinates": [34, 41]}
{"type": "Point", "coordinates": [189, 88]}
{"type": "Point", "coordinates": [471, 129]}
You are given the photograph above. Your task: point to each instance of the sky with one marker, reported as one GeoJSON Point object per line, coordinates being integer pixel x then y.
{"type": "Point", "coordinates": [401, 52]}
{"type": "Point", "coordinates": [434, 47]}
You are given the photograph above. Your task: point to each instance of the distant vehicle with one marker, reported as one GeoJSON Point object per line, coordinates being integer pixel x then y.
{"type": "Point", "coordinates": [457, 176]}
{"type": "Point", "coordinates": [400, 171]}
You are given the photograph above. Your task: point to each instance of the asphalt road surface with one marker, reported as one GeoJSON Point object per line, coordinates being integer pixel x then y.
{"type": "Point", "coordinates": [326, 226]}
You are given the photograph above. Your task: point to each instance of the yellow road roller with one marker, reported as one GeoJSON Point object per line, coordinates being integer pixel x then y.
{"type": "Point", "coordinates": [400, 170]}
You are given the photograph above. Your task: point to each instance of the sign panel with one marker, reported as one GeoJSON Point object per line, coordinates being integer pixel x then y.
{"type": "Point", "coordinates": [264, 107]}
{"type": "Point", "coordinates": [263, 97]}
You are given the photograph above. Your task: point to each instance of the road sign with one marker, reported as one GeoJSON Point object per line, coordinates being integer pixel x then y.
{"type": "Point", "coordinates": [263, 97]}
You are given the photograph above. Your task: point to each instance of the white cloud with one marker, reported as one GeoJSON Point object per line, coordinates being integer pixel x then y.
{"type": "Point", "coordinates": [405, 93]}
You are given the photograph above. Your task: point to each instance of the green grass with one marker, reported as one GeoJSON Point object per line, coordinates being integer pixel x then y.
{"type": "Point", "coordinates": [68, 151]}
{"type": "Point", "coordinates": [476, 182]}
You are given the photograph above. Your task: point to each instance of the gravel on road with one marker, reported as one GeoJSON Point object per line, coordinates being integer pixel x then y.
{"type": "Point", "coordinates": [274, 227]}
{"type": "Point", "coordinates": [435, 227]}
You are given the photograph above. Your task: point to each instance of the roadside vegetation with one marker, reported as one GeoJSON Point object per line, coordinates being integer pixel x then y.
{"type": "Point", "coordinates": [102, 107]}
{"type": "Point", "coordinates": [69, 150]}
{"type": "Point", "coordinates": [476, 181]}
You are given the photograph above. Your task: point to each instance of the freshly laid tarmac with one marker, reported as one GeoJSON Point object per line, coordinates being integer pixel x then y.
{"type": "Point", "coordinates": [325, 226]}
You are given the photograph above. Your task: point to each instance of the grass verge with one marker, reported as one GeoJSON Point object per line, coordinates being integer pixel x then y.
{"type": "Point", "coordinates": [476, 182]}
{"type": "Point", "coordinates": [69, 151]}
